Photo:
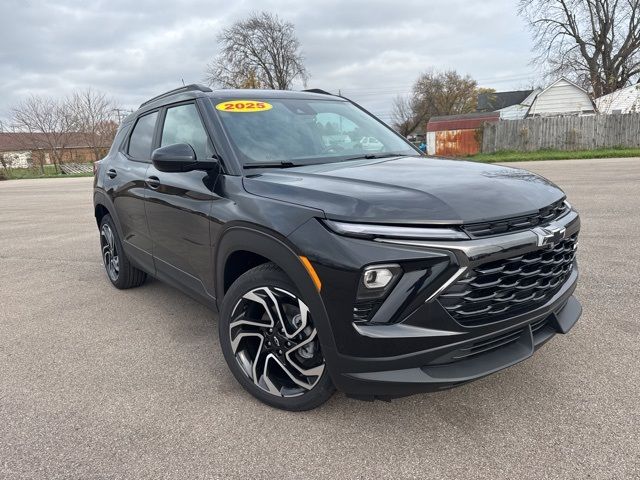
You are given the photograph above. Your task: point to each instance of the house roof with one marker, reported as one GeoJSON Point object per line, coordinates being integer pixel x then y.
{"type": "Point", "coordinates": [631, 88]}
{"type": "Point", "coordinates": [624, 99]}
{"type": "Point", "coordinates": [564, 79]}
{"type": "Point", "coordinates": [461, 122]}
{"type": "Point", "coordinates": [490, 102]}
{"type": "Point", "coordinates": [20, 141]}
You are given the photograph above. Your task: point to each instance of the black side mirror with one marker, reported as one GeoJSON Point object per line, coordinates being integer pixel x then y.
{"type": "Point", "coordinates": [180, 157]}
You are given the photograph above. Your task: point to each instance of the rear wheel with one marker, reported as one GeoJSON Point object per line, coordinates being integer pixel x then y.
{"type": "Point", "coordinates": [270, 342]}
{"type": "Point", "coordinates": [119, 270]}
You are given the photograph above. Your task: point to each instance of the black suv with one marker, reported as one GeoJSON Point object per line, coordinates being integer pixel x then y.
{"type": "Point", "coordinates": [334, 262]}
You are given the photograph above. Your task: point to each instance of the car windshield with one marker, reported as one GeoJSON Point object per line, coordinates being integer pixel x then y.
{"type": "Point", "coordinates": [301, 132]}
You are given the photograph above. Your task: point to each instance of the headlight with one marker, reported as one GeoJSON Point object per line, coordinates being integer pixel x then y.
{"type": "Point", "coordinates": [367, 230]}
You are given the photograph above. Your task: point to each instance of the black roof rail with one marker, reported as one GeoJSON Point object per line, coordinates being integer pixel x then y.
{"type": "Point", "coordinates": [194, 87]}
{"type": "Point", "coordinates": [318, 90]}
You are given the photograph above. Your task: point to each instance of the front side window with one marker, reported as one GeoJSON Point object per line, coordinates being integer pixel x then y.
{"type": "Point", "coordinates": [141, 139]}
{"type": "Point", "coordinates": [306, 132]}
{"type": "Point", "coordinates": [182, 124]}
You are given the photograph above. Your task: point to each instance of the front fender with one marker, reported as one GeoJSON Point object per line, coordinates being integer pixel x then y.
{"type": "Point", "coordinates": [278, 250]}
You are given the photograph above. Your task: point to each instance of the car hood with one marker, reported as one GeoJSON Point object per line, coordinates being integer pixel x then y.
{"type": "Point", "coordinates": [408, 190]}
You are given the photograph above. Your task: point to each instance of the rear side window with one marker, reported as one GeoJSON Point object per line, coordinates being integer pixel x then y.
{"type": "Point", "coordinates": [182, 124]}
{"type": "Point", "coordinates": [142, 137]}
{"type": "Point", "coordinates": [119, 138]}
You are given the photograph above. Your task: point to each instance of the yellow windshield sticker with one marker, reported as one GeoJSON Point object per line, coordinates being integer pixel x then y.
{"type": "Point", "coordinates": [244, 106]}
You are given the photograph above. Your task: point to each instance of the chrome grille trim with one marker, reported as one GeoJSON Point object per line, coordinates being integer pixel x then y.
{"type": "Point", "coordinates": [470, 251]}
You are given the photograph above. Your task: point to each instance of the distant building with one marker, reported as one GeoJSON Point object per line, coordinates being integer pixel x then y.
{"type": "Point", "coordinates": [492, 102]}
{"type": "Point", "coordinates": [520, 110]}
{"type": "Point", "coordinates": [22, 149]}
{"type": "Point", "coordinates": [562, 97]}
{"type": "Point", "coordinates": [461, 135]}
{"type": "Point", "coordinates": [511, 105]}
{"type": "Point", "coordinates": [457, 135]}
{"type": "Point", "coordinates": [625, 100]}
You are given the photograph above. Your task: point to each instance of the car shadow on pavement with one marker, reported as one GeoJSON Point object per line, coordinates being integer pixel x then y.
{"type": "Point", "coordinates": [190, 328]}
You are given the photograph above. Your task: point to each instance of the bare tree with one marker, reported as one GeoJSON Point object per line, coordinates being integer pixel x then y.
{"type": "Point", "coordinates": [594, 42]}
{"type": "Point", "coordinates": [107, 131]}
{"type": "Point", "coordinates": [435, 93]}
{"type": "Point", "coordinates": [402, 114]}
{"type": "Point", "coordinates": [48, 124]}
{"type": "Point", "coordinates": [93, 112]}
{"type": "Point", "coordinates": [259, 52]}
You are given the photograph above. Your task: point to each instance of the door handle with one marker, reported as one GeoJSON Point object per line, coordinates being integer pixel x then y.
{"type": "Point", "coordinates": [111, 173]}
{"type": "Point", "coordinates": [153, 182]}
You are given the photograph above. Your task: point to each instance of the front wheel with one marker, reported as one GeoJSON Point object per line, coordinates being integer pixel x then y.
{"type": "Point", "coordinates": [119, 270]}
{"type": "Point", "coordinates": [270, 342]}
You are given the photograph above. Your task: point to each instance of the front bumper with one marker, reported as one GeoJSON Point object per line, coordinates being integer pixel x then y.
{"type": "Point", "coordinates": [460, 363]}
{"type": "Point", "coordinates": [412, 344]}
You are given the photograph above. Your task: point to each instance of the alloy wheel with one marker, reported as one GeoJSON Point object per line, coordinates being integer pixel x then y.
{"type": "Point", "coordinates": [109, 252]}
{"type": "Point", "coordinates": [275, 342]}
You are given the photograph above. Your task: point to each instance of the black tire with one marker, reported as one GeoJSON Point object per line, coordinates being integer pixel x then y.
{"type": "Point", "coordinates": [304, 350]}
{"type": "Point", "coordinates": [124, 275]}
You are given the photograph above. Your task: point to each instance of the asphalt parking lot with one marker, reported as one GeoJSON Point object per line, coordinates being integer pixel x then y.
{"type": "Point", "coordinates": [101, 383]}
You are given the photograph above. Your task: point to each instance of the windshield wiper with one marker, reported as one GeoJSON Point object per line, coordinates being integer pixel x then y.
{"type": "Point", "coordinates": [283, 164]}
{"type": "Point", "coordinates": [373, 156]}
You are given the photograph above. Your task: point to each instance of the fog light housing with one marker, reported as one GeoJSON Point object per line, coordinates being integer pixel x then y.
{"type": "Point", "coordinates": [377, 277]}
{"type": "Point", "coordinates": [375, 284]}
{"type": "Point", "coordinates": [377, 280]}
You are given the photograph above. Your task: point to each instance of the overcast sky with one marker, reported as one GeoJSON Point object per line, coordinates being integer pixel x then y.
{"type": "Point", "coordinates": [369, 50]}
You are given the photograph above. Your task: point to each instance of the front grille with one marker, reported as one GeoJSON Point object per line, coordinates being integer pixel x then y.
{"type": "Point", "coordinates": [500, 289]}
{"type": "Point", "coordinates": [510, 225]}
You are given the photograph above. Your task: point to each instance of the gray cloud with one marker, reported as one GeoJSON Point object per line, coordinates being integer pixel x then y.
{"type": "Point", "coordinates": [369, 50]}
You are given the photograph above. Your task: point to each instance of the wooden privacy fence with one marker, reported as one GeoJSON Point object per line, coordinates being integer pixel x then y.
{"type": "Point", "coordinates": [562, 133]}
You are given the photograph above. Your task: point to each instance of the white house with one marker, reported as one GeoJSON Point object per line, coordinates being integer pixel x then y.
{"type": "Point", "coordinates": [562, 97]}
{"type": "Point", "coordinates": [625, 100]}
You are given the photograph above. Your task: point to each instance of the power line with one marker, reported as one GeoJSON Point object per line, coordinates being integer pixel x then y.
{"type": "Point", "coordinates": [405, 90]}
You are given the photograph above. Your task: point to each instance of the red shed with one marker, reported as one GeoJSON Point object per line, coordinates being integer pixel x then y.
{"type": "Point", "coordinates": [457, 135]}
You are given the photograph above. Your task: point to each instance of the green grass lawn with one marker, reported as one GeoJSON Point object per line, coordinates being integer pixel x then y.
{"type": "Point", "coordinates": [49, 172]}
{"type": "Point", "coordinates": [510, 156]}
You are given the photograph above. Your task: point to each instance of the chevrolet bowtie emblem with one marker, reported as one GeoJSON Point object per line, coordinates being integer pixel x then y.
{"type": "Point", "coordinates": [549, 235]}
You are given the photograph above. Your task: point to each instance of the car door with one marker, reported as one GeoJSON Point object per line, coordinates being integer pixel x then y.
{"type": "Point", "coordinates": [125, 184]}
{"type": "Point", "coordinates": [178, 205]}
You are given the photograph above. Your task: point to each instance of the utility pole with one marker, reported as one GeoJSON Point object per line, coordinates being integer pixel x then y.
{"type": "Point", "coordinates": [120, 113]}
